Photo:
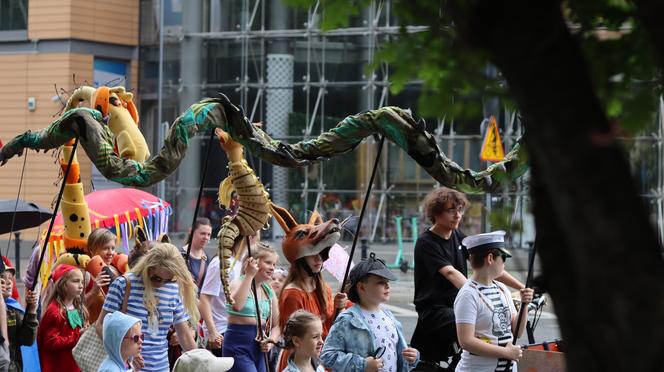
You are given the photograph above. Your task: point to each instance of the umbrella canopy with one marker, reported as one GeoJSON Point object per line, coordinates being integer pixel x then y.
{"type": "Point", "coordinates": [27, 215]}
{"type": "Point", "coordinates": [119, 210]}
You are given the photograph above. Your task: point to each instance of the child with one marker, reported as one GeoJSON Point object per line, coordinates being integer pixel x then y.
{"type": "Point", "coordinates": [61, 324]}
{"type": "Point", "coordinates": [484, 311]}
{"type": "Point", "coordinates": [278, 279]}
{"type": "Point", "coordinates": [21, 323]}
{"type": "Point", "coordinates": [122, 341]}
{"type": "Point", "coordinates": [367, 337]}
{"type": "Point", "coordinates": [240, 339]}
{"type": "Point", "coordinates": [277, 284]}
{"type": "Point", "coordinates": [303, 333]}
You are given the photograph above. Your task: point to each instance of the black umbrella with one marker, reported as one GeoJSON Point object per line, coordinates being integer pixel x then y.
{"type": "Point", "coordinates": [27, 215]}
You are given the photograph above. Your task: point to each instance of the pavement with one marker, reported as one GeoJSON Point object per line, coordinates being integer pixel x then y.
{"type": "Point", "coordinates": [401, 301]}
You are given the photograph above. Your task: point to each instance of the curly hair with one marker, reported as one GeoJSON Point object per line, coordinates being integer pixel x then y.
{"type": "Point", "coordinates": [435, 201]}
{"type": "Point", "coordinates": [297, 326]}
{"type": "Point", "coordinates": [168, 257]}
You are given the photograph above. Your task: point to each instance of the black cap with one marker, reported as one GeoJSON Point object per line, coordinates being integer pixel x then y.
{"type": "Point", "coordinates": [367, 266]}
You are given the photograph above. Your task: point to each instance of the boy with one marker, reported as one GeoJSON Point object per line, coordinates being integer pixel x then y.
{"type": "Point", "coordinates": [21, 323]}
{"type": "Point", "coordinates": [122, 341]}
{"type": "Point", "coordinates": [484, 310]}
{"type": "Point", "coordinates": [367, 337]}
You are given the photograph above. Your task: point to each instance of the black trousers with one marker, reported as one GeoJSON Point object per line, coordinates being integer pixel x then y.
{"type": "Point", "coordinates": [435, 333]}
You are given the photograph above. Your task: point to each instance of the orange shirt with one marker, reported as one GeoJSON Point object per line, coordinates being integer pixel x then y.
{"type": "Point", "coordinates": [293, 299]}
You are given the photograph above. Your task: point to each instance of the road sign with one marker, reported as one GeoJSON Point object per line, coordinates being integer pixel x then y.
{"type": "Point", "coordinates": [492, 146]}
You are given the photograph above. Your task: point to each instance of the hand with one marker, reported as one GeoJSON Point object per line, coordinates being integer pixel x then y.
{"type": "Point", "coordinates": [102, 280]}
{"type": "Point", "coordinates": [266, 345]}
{"type": "Point", "coordinates": [410, 355]}
{"type": "Point", "coordinates": [526, 295]}
{"type": "Point", "coordinates": [513, 352]}
{"type": "Point", "coordinates": [251, 267]}
{"type": "Point", "coordinates": [138, 362]}
{"type": "Point", "coordinates": [173, 339]}
{"type": "Point", "coordinates": [373, 365]}
{"type": "Point", "coordinates": [31, 301]}
{"type": "Point", "coordinates": [215, 340]}
{"type": "Point", "coordinates": [340, 300]}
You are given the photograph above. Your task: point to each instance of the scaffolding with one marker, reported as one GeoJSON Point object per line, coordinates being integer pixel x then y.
{"type": "Point", "coordinates": [298, 80]}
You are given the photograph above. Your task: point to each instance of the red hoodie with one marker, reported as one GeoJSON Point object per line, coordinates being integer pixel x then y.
{"type": "Point", "coordinates": [56, 339]}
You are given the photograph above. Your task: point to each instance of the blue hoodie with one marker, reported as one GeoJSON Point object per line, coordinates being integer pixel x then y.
{"type": "Point", "coordinates": [116, 326]}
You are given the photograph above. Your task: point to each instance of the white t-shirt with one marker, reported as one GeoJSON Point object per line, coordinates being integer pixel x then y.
{"type": "Point", "coordinates": [385, 334]}
{"type": "Point", "coordinates": [212, 287]}
{"type": "Point", "coordinates": [491, 313]}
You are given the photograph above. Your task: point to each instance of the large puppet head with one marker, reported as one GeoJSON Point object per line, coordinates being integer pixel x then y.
{"type": "Point", "coordinates": [120, 114]}
{"type": "Point", "coordinates": [301, 240]}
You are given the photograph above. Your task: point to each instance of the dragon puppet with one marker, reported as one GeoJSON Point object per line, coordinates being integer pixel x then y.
{"type": "Point", "coordinates": [96, 129]}
{"type": "Point", "coordinates": [120, 117]}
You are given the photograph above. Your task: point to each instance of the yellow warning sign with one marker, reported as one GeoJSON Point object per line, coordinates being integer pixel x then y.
{"type": "Point", "coordinates": [492, 146]}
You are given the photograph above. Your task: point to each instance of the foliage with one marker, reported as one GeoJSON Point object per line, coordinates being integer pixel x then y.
{"type": "Point", "coordinates": [454, 77]}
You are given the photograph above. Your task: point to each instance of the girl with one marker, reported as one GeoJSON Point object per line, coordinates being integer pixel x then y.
{"type": "Point", "coordinates": [303, 335]}
{"type": "Point", "coordinates": [122, 341]}
{"type": "Point", "coordinates": [240, 339]}
{"type": "Point", "coordinates": [101, 242]}
{"type": "Point", "coordinates": [62, 322]}
{"type": "Point", "coordinates": [484, 310]}
{"type": "Point", "coordinates": [161, 293]}
{"type": "Point", "coordinates": [278, 279]}
{"type": "Point", "coordinates": [306, 289]}
{"type": "Point", "coordinates": [198, 260]}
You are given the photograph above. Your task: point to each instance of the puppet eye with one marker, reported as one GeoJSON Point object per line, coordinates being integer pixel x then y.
{"type": "Point", "coordinates": [300, 234]}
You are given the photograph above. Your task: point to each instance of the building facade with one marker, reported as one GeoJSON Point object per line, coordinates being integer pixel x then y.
{"type": "Point", "coordinates": [47, 49]}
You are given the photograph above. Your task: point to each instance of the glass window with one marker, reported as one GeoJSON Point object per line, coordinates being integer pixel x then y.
{"type": "Point", "coordinates": [13, 15]}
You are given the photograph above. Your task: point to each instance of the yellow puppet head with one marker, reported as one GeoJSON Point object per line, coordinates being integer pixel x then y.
{"type": "Point", "coordinates": [117, 107]}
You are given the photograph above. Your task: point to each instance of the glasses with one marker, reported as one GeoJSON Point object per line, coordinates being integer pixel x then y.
{"type": "Point", "coordinates": [454, 211]}
{"type": "Point", "coordinates": [501, 254]}
{"type": "Point", "coordinates": [136, 338]}
{"type": "Point", "coordinates": [157, 279]}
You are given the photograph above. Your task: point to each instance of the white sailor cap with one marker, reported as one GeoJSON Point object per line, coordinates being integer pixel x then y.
{"type": "Point", "coordinates": [486, 241]}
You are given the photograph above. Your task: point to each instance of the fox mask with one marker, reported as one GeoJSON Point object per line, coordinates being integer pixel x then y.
{"type": "Point", "coordinates": [301, 240]}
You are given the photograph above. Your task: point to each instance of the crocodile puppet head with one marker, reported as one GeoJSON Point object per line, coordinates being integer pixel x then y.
{"type": "Point", "coordinates": [120, 114]}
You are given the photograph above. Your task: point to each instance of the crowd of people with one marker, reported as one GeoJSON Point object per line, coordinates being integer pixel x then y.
{"type": "Point", "coordinates": [168, 312]}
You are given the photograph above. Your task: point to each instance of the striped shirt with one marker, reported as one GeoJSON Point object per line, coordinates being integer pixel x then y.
{"type": "Point", "coordinates": [169, 309]}
{"type": "Point", "coordinates": [490, 309]}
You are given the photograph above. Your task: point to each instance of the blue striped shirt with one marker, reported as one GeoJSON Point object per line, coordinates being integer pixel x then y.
{"type": "Point", "coordinates": [170, 312]}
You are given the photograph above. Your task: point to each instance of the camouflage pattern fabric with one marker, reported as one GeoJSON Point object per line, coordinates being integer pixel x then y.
{"type": "Point", "coordinates": [395, 123]}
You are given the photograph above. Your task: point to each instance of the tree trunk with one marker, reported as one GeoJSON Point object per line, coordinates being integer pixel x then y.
{"type": "Point", "coordinates": [600, 256]}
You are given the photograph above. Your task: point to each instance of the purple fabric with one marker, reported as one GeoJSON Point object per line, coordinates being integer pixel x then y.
{"type": "Point", "coordinates": [33, 270]}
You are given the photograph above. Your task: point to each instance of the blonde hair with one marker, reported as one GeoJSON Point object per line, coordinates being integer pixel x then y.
{"type": "Point", "coordinates": [258, 250]}
{"type": "Point", "coordinates": [168, 257]}
{"type": "Point", "coordinates": [98, 238]}
{"type": "Point", "coordinates": [58, 293]}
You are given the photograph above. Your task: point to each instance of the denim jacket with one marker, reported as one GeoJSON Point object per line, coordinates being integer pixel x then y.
{"type": "Point", "coordinates": [350, 341]}
{"type": "Point", "coordinates": [293, 368]}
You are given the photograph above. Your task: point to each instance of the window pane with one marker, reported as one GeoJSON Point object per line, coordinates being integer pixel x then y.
{"type": "Point", "coordinates": [13, 15]}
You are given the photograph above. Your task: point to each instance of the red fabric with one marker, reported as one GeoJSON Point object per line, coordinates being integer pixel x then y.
{"type": "Point", "coordinates": [56, 339]}
{"type": "Point", "coordinates": [15, 294]}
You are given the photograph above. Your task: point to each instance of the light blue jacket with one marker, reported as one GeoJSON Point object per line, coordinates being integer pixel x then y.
{"type": "Point", "coordinates": [116, 326]}
{"type": "Point", "coordinates": [292, 367]}
{"type": "Point", "coordinates": [351, 340]}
